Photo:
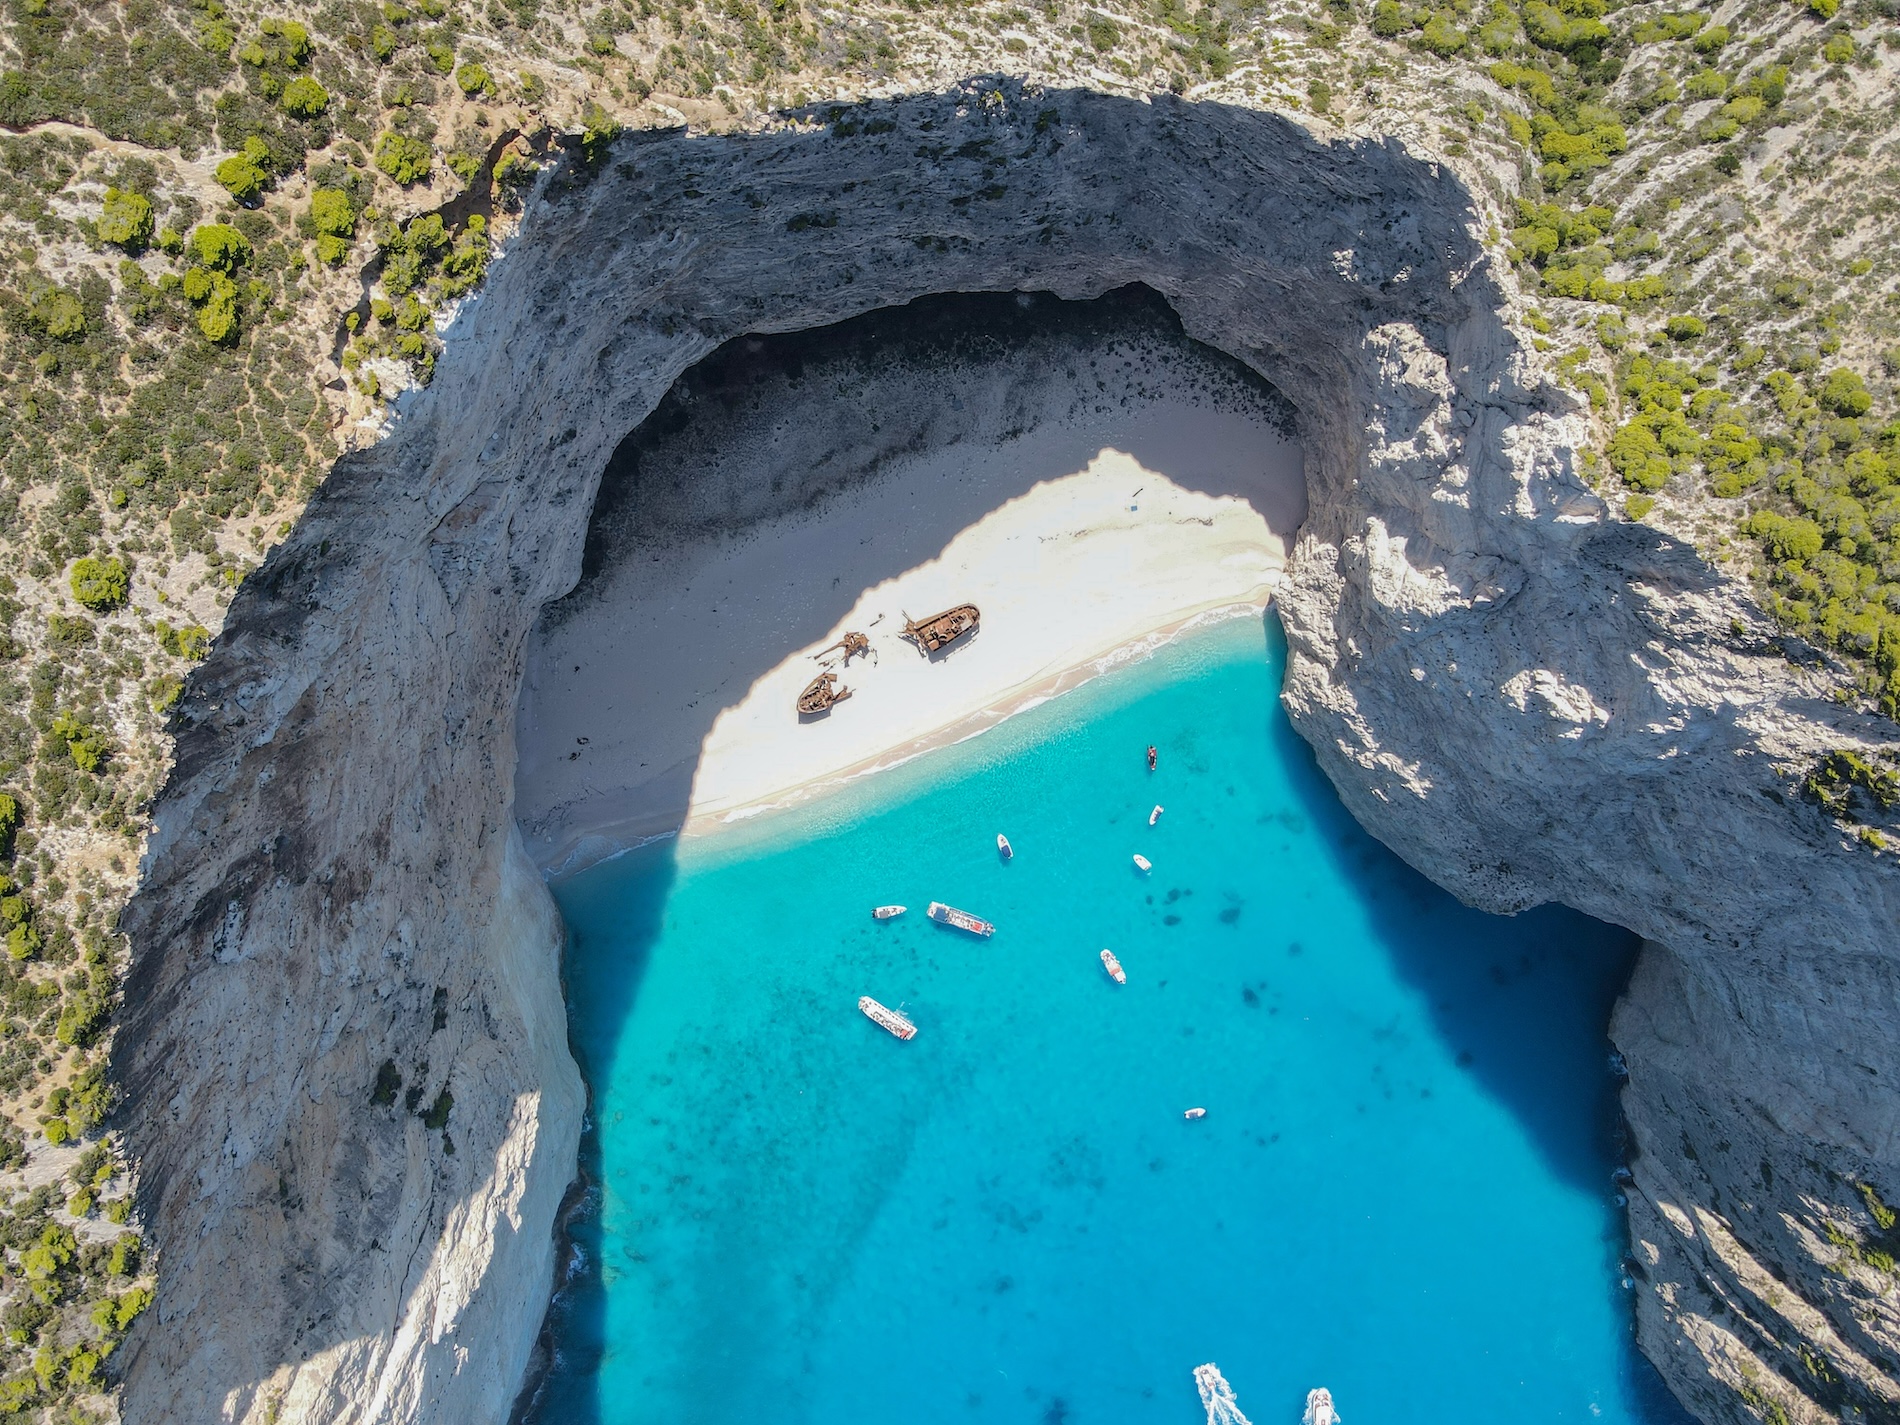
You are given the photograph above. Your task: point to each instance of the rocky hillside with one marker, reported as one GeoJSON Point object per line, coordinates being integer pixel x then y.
{"type": "Point", "coordinates": [230, 238]}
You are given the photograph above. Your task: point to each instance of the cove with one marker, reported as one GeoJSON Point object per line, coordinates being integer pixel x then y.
{"type": "Point", "coordinates": [1401, 1189]}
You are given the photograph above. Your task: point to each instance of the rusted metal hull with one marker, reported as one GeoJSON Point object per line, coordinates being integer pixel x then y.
{"type": "Point", "coordinates": [941, 630]}
{"type": "Point", "coordinates": [820, 694]}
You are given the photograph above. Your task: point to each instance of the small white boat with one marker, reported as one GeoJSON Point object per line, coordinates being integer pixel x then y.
{"type": "Point", "coordinates": [1193, 1113]}
{"type": "Point", "coordinates": [1154, 816]}
{"type": "Point", "coordinates": [1114, 967]}
{"type": "Point", "coordinates": [887, 912]}
{"type": "Point", "coordinates": [1143, 864]}
{"type": "Point", "coordinates": [1002, 846]}
{"type": "Point", "coordinates": [888, 1019]}
{"type": "Point", "coordinates": [1217, 1397]}
{"type": "Point", "coordinates": [1319, 1408]}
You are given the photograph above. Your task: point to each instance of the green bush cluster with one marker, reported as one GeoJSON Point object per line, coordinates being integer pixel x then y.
{"type": "Point", "coordinates": [1842, 783]}
{"type": "Point", "coordinates": [1572, 248]}
{"type": "Point", "coordinates": [423, 267]}
{"type": "Point", "coordinates": [86, 745]}
{"type": "Point", "coordinates": [190, 642]}
{"type": "Point", "coordinates": [101, 584]}
{"type": "Point", "coordinates": [78, 1297]}
{"type": "Point", "coordinates": [406, 160]}
{"type": "Point", "coordinates": [1828, 534]}
{"type": "Point", "coordinates": [247, 173]}
{"type": "Point", "coordinates": [125, 220]}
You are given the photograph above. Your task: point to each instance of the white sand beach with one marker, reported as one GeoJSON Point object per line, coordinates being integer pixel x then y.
{"type": "Point", "coordinates": [665, 701]}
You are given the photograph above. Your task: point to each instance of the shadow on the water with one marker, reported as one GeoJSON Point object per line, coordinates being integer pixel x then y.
{"type": "Point", "coordinates": [1526, 1014]}
{"type": "Point", "coordinates": [668, 483]}
{"type": "Point", "coordinates": [618, 928]}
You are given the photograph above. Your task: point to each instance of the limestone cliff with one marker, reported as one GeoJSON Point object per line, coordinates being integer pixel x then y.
{"type": "Point", "coordinates": [1527, 699]}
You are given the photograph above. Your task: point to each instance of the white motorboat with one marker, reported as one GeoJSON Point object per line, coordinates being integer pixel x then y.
{"type": "Point", "coordinates": [1003, 847]}
{"type": "Point", "coordinates": [1114, 967]}
{"type": "Point", "coordinates": [1193, 1113]}
{"type": "Point", "coordinates": [1319, 1408]}
{"type": "Point", "coordinates": [1143, 864]}
{"type": "Point", "coordinates": [1154, 816]}
{"type": "Point", "coordinates": [961, 919]}
{"type": "Point", "coordinates": [887, 912]}
{"type": "Point", "coordinates": [888, 1019]}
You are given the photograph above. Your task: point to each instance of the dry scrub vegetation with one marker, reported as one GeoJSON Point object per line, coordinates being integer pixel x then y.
{"type": "Point", "coordinates": [229, 235]}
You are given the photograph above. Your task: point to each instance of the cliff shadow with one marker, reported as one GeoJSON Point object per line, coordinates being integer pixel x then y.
{"type": "Point", "coordinates": [1522, 1003]}
{"type": "Point", "coordinates": [629, 673]}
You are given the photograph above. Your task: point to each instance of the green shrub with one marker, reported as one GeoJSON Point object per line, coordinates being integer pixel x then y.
{"type": "Point", "coordinates": [246, 174]}
{"type": "Point", "coordinates": [598, 131]}
{"type": "Point", "coordinates": [305, 98]}
{"type": "Point", "coordinates": [1550, 28]}
{"type": "Point", "coordinates": [1388, 20]}
{"type": "Point", "coordinates": [100, 584]}
{"type": "Point", "coordinates": [85, 744]}
{"type": "Point", "coordinates": [9, 823]}
{"type": "Point", "coordinates": [441, 54]}
{"type": "Point", "coordinates": [1826, 9]}
{"type": "Point", "coordinates": [473, 79]}
{"type": "Point", "coordinates": [219, 247]}
{"type": "Point", "coordinates": [1442, 37]}
{"type": "Point", "coordinates": [125, 220]}
{"type": "Point", "coordinates": [191, 642]}
{"type": "Point", "coordinates": [59, 314]}
{"type": "Point", "coordinates": [291, 47]}
{"type": "Point", "coordinates": [1791, 539]}
{"type": "Point", "coordinates": [404, 159]}
{"type": "Point", "coordinates": [437, 1118]}
{"type": "Point", "coordinates": [1104, 34]}
{"type": "Point", "coordinates": [332, 213]}
{"type": "Point", "coordinates": [1706, 84]}
{"type": "Point", "coordinates": [1845, 393]}
{"type": "Point", "coordinates": [1637, 456]}
{"type": "Point", "coordinates": [1844, 775]}
{"type": "Point", "coordinates": [388, 1081]}
{"type": "Point", "coordinates": [1712, 39]}
{"type": "Point", "coordinates": [1685, 328]}
{"type": "Point", "coordinates": [1666, 27]}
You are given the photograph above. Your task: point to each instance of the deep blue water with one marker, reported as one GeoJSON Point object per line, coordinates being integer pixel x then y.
{"type": "Point", "coordinates": [1401, 1189]}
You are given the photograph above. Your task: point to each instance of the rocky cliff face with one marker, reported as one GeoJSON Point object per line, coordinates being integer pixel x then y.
{"type": "Point", "coordinates": [343, 1058]}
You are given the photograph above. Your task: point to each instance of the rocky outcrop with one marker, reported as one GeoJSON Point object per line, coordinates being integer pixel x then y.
{"type": "Point", "coordinates": [1526, 699]}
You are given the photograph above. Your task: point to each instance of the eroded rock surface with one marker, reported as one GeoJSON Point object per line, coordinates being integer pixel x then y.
{"type": "Point", "coordinates": [1527, 700]}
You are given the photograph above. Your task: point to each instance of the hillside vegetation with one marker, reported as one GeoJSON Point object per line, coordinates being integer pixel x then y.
{"type": "Point", "coordinates": [229, 235]}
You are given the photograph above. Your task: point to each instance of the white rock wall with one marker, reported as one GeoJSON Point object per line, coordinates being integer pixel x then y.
{"type": "Point", "coordinates": [1527, 701]}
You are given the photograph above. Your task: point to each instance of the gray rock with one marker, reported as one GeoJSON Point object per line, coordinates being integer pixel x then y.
{"type": "Point", "coordinates": [1528, 701]}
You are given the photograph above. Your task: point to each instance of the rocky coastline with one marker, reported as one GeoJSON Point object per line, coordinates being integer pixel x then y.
{"type": "Point", "coordinates": [343, 1053]}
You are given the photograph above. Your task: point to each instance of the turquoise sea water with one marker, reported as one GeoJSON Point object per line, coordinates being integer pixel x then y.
{"type": "Point", "coordinates": [1401, 1189]}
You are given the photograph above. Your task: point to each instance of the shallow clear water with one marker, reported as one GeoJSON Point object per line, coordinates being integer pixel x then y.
{"type": "Point", "coordinates": [1401, 1189]}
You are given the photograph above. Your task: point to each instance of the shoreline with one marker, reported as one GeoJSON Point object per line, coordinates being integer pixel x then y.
{"type": "Point", "coordinates": [1011, 702]}
{"type": "Point", "coordinates": [595, 844]}
{"type": "Point", "coordinates": [1092, 505]}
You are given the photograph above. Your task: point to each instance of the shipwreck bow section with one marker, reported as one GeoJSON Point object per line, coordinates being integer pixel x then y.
{"type": "Point", "coordinates": [344, 1058]}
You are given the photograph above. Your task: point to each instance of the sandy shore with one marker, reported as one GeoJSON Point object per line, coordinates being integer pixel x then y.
{"type": "Point", "coordinates": [663, 698]}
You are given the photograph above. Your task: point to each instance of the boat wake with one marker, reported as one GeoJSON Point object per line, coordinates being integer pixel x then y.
{"type": "Point", "coordinates": [1218, 1397]}
{"type": "Point", "coordinates": [1222, 1409]}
